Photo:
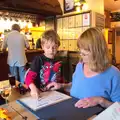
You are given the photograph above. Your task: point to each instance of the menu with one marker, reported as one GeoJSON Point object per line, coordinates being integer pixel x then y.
{"type": "Point", "coordinates": [111, 113]}
{"type": "Point", "coordinates": [71, 21]}
{"type": "Point", "coordinates": [86, 19]}
{"type": "Point", "coordinates": [78, 20]}
{"type": "Point", "coordinates": [46, 99]}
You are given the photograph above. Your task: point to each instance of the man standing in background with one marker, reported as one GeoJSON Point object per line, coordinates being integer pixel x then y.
{"type": "Point", "coordinates": [38, 44]}
{"type": "Point", "coordinates": [16, 43]}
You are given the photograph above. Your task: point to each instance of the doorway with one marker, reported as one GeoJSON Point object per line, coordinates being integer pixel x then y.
{"type": "Point", "coordinates": [117, 45]}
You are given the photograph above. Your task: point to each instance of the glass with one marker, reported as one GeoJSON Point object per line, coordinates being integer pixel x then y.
{"type": "Point", "coordinates": [5, 92]}
{"type": "Point", "coordinates": [11, 79]}
{"type": "Point", "coordinates": [84, 54]}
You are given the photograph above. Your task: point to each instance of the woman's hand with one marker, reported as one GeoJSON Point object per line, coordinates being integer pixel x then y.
{"type": "Point", "coordinates": [53, 86]}
{"type": "Point", "coordinates": [88, 102]}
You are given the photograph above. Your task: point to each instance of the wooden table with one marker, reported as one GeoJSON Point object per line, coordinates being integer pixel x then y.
{"type": "Point", "coordinates": [12, 102]}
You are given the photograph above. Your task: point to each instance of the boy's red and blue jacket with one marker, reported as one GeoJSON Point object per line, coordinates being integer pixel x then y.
{"type": "Point", "coordinates": [44, 70]}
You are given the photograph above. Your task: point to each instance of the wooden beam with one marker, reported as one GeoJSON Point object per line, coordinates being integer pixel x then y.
{"type": "Point", "coordinates": [43, 7]}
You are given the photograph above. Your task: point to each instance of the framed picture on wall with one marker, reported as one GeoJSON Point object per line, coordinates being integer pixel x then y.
{"type": "Point", "coordinates": [69, 6]}
{"type": "Point", "coordinates": [71, 21]}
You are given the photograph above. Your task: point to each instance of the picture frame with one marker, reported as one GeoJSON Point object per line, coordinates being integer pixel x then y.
{"type": "Point", "coordinates": [68, 6]}
{"type": "Point", "coordinates": [78, 20]}
{"type": "Point", "coordinates": [71, 21]}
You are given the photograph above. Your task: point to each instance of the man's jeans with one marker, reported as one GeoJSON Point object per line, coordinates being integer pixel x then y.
{"type": "Point", "coordinates": [18, 72]}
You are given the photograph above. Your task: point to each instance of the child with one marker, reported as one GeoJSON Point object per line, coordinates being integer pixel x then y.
{"type": "Point", "coordinates": [44, 68]}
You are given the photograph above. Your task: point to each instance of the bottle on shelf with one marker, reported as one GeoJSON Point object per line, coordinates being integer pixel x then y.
{"type": "Point", "coordinates": [33, 44]}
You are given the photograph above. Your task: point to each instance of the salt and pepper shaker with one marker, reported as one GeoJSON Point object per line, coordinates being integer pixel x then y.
{"type": "Point", "coordinates": [22, 89]}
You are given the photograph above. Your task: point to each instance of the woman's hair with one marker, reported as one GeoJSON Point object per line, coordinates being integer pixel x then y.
{"type": "Point", "coordinates": [93, 40]}
{"type": "Point", "coordinates": [50, 35]}
{"type": "Point", "coordinates": [16, 27]}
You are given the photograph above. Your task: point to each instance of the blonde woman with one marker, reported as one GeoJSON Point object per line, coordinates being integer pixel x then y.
{"type": "Point", "coordinates": [95, 81]}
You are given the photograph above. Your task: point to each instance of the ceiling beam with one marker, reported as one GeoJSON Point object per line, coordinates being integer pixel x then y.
{"type": "Point", "coordinates": [45, 8]}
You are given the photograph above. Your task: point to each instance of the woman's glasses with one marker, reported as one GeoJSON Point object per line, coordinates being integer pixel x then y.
{"type": "Point", "coordinates": [84, 53]}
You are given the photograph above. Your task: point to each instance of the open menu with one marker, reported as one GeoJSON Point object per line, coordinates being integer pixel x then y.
{"type": "Point", "coordinates": [111, 113]}
{"type": "Point", "coordinates": [46, 99]}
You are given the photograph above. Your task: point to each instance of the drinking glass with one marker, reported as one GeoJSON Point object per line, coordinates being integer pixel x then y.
{"type": "Point", "coordinates": [11, 79]}
{"type": "Point", "coordinates": [5, 92]}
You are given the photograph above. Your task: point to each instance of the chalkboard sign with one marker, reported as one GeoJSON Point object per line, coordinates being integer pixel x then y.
{"type": "Point", "coordinates": [115, 16]}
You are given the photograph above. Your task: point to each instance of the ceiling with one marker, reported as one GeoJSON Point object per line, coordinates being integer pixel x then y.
{"type": "Point", "coordinates": [42, 7]}
{"type": "Point", "coordinates": [112, 5]}
{"type": "Point", "coordinates": [46, 7]}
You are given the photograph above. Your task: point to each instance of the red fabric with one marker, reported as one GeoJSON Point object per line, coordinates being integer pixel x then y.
{"type": "Point", "coordinates": [30, 77]}
{"type": "Point", "coordinates": [52, 74]}
{"type": "Point", "coordinates": [46, 71]}
{"type": "Point", "coordinates": [56, 66]}
{"type": "Point", "coordinates": [61, 80]}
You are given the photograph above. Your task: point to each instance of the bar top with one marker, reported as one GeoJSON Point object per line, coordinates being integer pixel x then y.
{"type": "Point", "coordinates": [27, 51]}
{"type": "Point", "coordinates": [37, 50]}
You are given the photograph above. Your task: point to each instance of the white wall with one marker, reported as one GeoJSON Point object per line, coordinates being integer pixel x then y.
{"type": "Point", "coordinates": [96, 5]}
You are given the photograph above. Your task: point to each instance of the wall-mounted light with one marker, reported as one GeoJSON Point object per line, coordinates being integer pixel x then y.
{"type": "Point", "coordinates": [80, 5]}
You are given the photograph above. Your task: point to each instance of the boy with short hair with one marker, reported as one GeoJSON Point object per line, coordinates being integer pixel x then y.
{"type": "Point", "coordinates": [44, 68]}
